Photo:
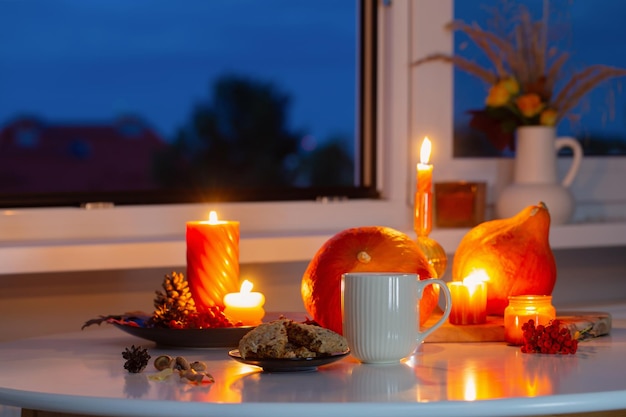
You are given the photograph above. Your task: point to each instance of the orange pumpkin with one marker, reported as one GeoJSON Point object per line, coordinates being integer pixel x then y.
{"type": "Point", "coordinates": [361, 249]}
{"type": "Point", "coordinates": [514, 252]}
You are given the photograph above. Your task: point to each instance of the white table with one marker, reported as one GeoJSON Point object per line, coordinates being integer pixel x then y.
{"type": "Point", "coordinates": [83, 373]}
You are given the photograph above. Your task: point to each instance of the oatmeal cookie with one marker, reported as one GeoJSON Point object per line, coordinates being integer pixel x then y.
{"type": "Point", "coordinates": [285, 338]}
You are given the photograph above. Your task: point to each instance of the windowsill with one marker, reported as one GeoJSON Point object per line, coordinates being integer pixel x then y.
{"type": "Point", "coordinates": [90, 255]}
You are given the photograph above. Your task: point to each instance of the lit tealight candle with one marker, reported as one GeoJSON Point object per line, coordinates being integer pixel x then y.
{"type": "Point", "coordinates": [245, 306]}
{"type": "Point", "coordinates": [423, 194]}
{"type": "Point", "coordinates": [469, 299]}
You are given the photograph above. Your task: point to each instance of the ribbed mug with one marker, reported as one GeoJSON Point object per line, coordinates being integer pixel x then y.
{"type": "Point", "coordinates": [381, 314]}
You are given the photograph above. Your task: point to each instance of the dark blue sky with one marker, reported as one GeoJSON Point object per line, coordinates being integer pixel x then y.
{"type": "Point", "coordinates": [95, 59]}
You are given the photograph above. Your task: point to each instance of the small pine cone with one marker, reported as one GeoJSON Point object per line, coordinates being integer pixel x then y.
{"type": "Point", "coordinates": [175, 304]}
{"type": "Point", "coordinates": [137, 359]}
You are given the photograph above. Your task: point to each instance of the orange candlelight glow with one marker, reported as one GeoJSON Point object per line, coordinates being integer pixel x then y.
{"type": "Point", "coordinates": [245, 306]}
{"type": "Point", "coordinates": [424, 169]}
{"type": "Point", "coordinates": [533, 375]}
{"type": "Point", "coordinates": [522, 308]}
{"type": "Point", "coordinates": [212, 260]}
{"type": "Point", "coordinates": [469, 299]}
{"type": "Point", "coordinates": [475, 382]}
{"type": "Point", "coordinates": [423, 195]}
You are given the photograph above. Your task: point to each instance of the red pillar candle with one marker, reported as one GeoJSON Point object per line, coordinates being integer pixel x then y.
{"type": "Point", "coordinates": [423, 196]}
{"type": "Point", "coordinates": [212, 260]}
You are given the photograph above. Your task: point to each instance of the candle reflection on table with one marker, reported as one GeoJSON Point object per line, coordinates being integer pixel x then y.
{"type": "Point", "coordinates": [474, 383]}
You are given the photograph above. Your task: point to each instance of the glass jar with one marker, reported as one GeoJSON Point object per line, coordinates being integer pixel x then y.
{"type": "Point", "coordinates": [522, 308]}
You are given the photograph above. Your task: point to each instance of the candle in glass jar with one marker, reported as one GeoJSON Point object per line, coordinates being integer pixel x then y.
{"type": "Point", "coordinates": [469, 299]}
{"type": "Point", "coordinates": [245, 306]}
{"type": "Point", "coordinates": [423, 194]}
{"type": "Point", "coordinates": [212, 260]}
{"type": "Point", "coordinates": [522, 308]}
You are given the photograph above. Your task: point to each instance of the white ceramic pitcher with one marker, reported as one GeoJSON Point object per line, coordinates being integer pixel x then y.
{"type": "Point", "coordinates": [535, 174]}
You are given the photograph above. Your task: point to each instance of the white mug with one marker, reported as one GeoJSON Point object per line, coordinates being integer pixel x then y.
{"type": "Point", "coordinates": [381, 314]}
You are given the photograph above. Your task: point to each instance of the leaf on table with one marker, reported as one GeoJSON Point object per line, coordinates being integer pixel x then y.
{"type": "Point", "coordinates": [136, 319]}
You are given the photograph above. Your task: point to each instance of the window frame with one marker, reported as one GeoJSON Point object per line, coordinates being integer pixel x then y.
{"type": "Point", "coordinates": [363, 184]}
{"type": "Point", "coordinates": [163, 222]}
{"type": "Point", "coordinates": [598, 188]}
{"type": "Point", "coordinates": [404, 117]}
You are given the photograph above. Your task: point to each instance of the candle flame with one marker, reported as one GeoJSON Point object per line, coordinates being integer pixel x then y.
{"type": "Point", "coordinates": [425, 151]}
{"type": "Point", "coordinates": [476, 277]}
{"type": "Point", "coordinates": [246, 287]}
{"type": "Point", "coordinates": [212, 217]}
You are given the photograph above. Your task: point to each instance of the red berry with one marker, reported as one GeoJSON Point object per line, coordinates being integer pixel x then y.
{"type": "Point", "coordinates": [550, 339]}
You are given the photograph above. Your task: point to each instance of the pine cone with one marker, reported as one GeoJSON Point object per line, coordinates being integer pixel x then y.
{"type": "Point", "coordinates": [175, 304]}
{"type": "Point", "coordinates": [137, 359]}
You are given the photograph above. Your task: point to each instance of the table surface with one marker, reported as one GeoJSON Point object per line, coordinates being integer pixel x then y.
{"type": "Point", "coordinates": [83, 373]}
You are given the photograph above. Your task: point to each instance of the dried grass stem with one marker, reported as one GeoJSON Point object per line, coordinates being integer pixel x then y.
{"type": "Point", "coordinates": [524, 55]}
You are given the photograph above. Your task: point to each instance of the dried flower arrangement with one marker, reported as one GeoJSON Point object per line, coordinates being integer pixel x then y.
{"type": "Point", "coordinates": [522, 79]}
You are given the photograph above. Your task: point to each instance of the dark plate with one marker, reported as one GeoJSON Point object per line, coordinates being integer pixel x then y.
{"type": "Point", "coordinates": [226, 337]}
{"type": "Point", "coordinates": [291, 364]}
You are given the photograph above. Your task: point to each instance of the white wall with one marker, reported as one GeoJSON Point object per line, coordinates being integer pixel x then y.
{"type": "Point", "coordinates": [39, 304]}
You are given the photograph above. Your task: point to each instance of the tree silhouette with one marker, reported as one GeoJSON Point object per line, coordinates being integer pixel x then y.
{"type": "Point", "coordinates": [236, 140]}
{"type": "Point", "coordinates": [239, 140]}
{"type": "Point", "coordinates": [329, 165]}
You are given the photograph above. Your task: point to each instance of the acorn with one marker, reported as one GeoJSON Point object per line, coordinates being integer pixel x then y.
{"type": "Point", "coordinates": [181, 364]}
{"type": "Point", "coordinates": [198, 366]}
{"type": "Point", "coordinates": [163, 362]}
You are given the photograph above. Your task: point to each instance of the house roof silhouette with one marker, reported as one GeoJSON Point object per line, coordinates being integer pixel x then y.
{"type": "Point", "coordinates": [41, 157]}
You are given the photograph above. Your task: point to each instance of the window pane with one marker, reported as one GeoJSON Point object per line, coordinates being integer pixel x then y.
{"type": "Point", "coordinates": [207, 100]}
{"type": "Point", "coordinates": [591, 32]}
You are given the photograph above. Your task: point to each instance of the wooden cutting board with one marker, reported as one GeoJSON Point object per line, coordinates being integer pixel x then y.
{"type": "Point", "coordinates": [592, 323]}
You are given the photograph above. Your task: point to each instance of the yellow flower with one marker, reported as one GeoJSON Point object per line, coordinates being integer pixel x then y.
{"type": "Point", "coordinates": [548, 117]}
{"type": "Point", "coordinates": [511, 85]}
{"type": "Point", "coordinates": [529, 104]}
{"type": "Point", "coordinates": [498, 96]}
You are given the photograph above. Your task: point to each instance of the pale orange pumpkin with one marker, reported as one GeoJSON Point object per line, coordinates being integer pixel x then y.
{"type": "Point", "coordinates": [514, 252]}
{"type": "Point", "coordinates": [361, 249]}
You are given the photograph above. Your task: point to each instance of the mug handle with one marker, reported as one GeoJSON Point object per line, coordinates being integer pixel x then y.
{"type": "Point", "coordinates": [446, 312]}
